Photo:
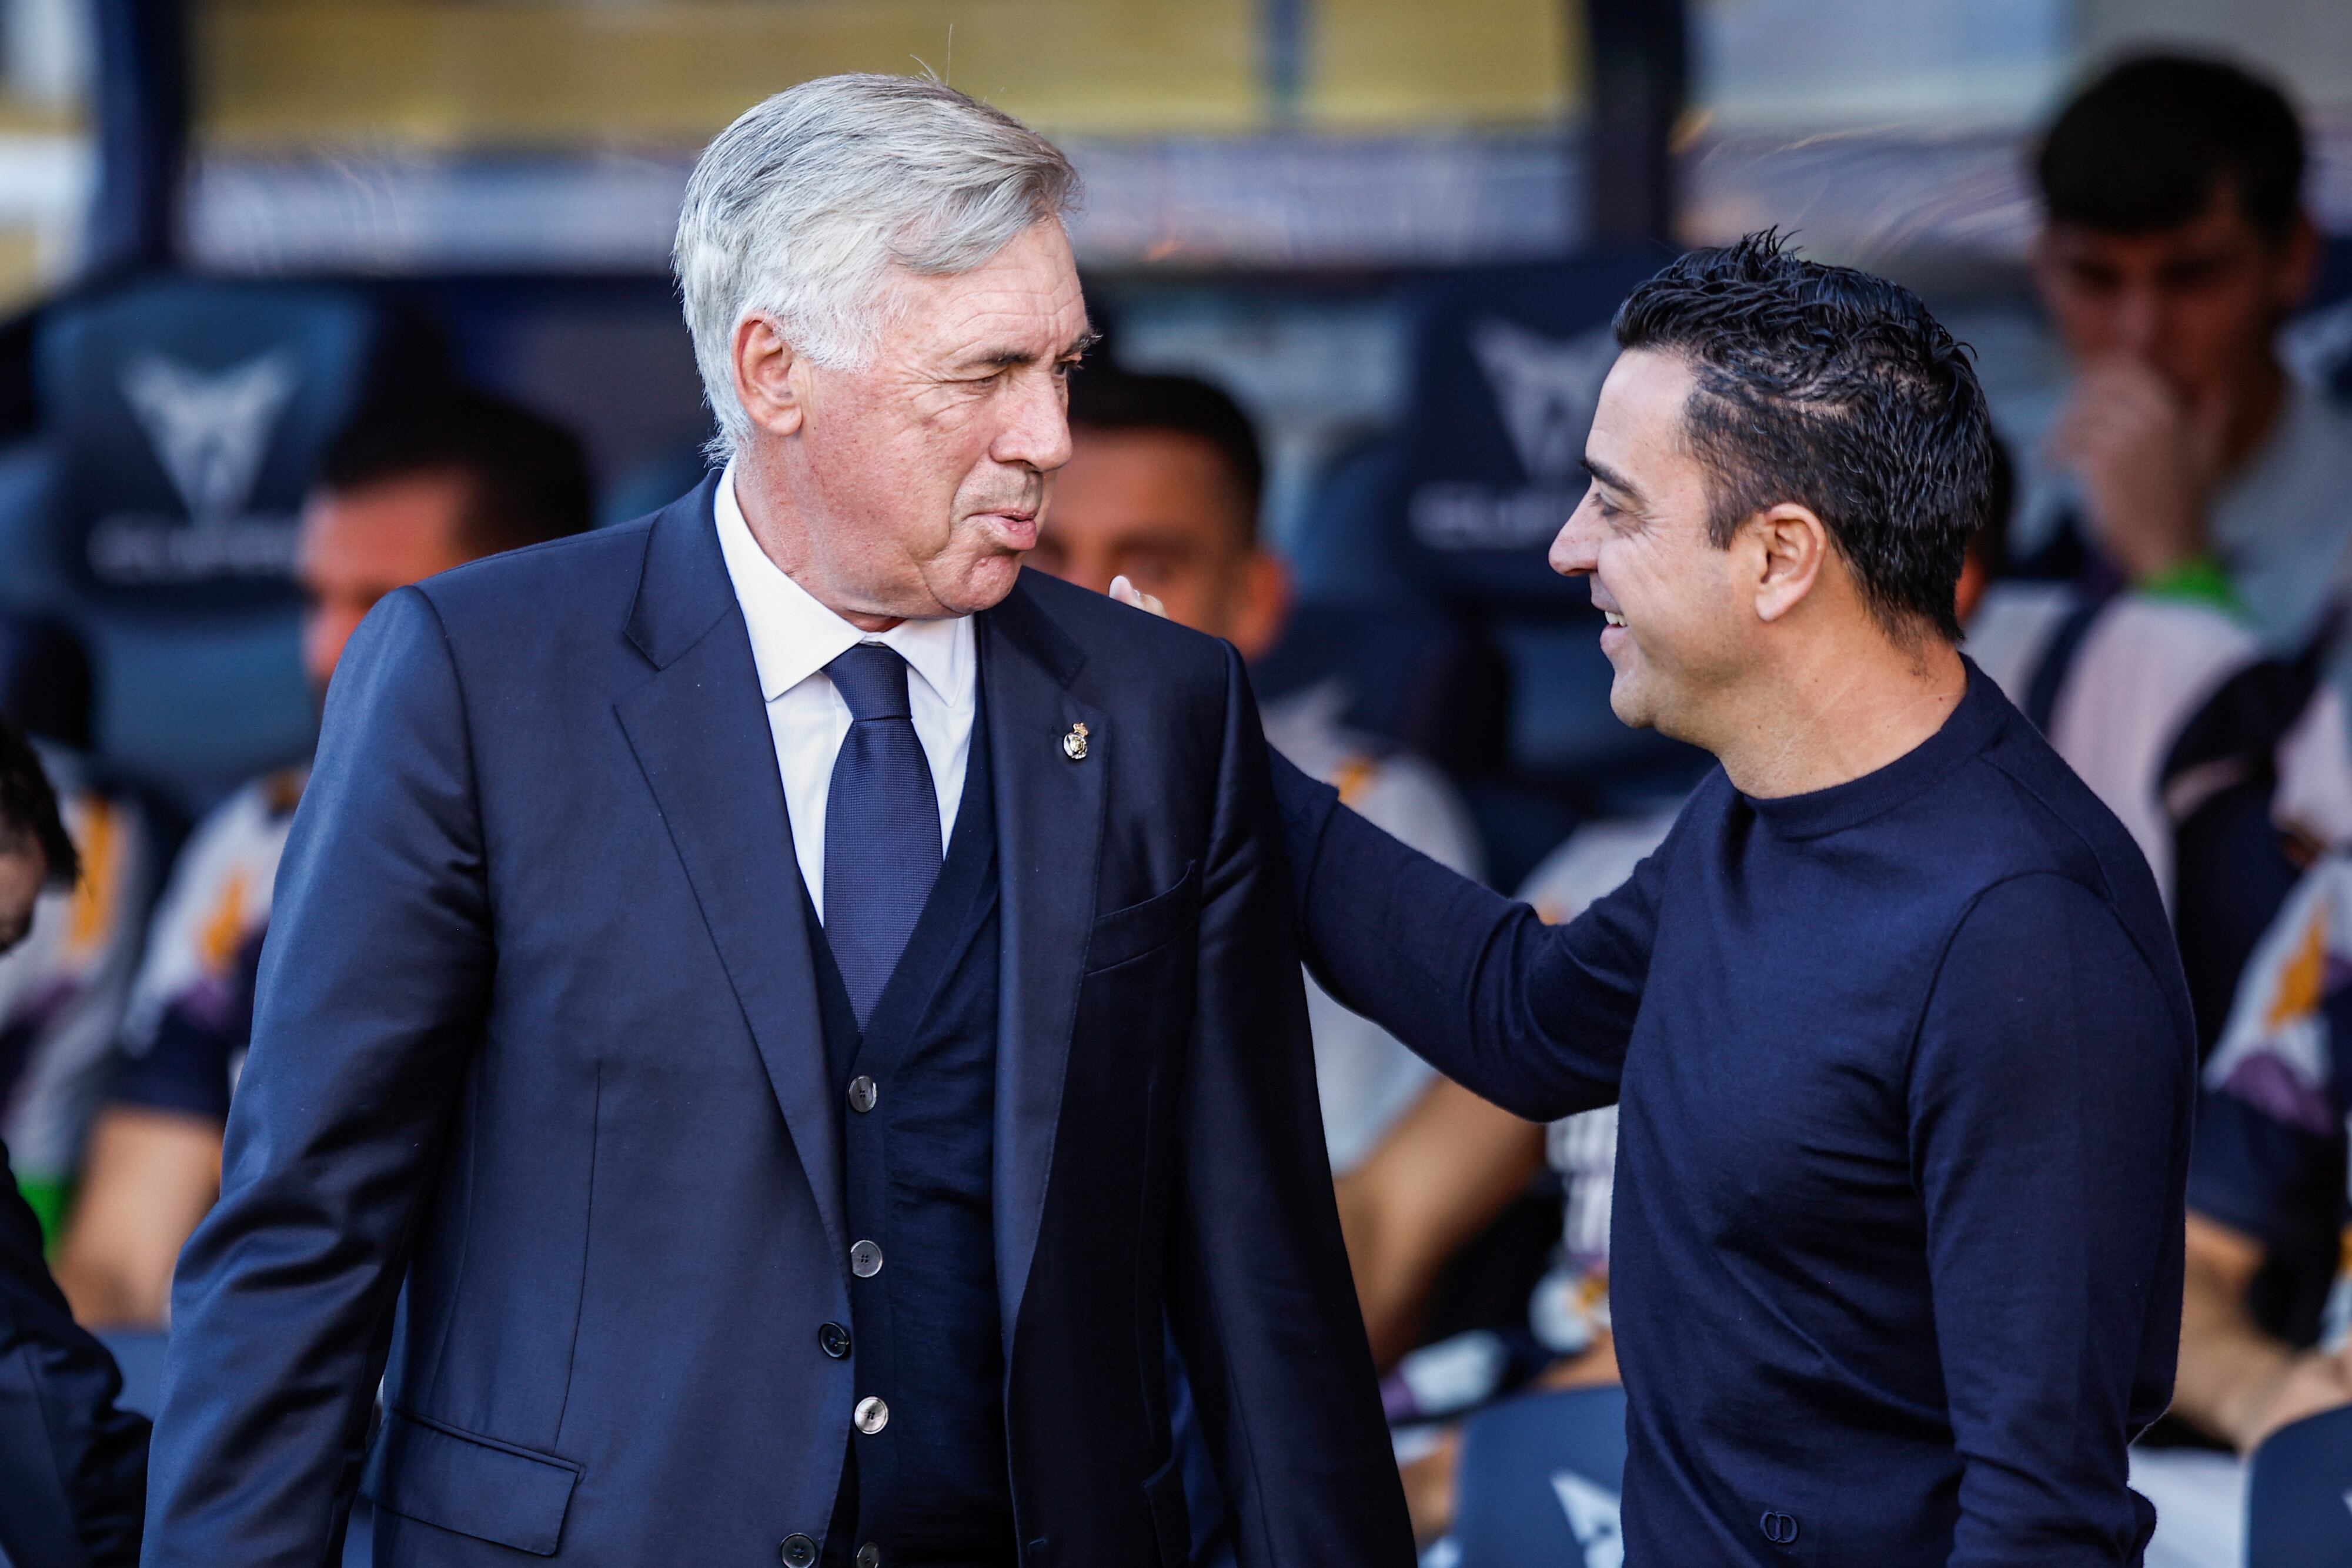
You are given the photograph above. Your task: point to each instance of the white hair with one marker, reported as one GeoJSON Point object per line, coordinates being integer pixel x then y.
{"type": "Point", "coordinates": [797, 209]}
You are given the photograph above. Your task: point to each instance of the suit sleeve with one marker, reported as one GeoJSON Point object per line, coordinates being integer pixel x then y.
{"type": "Point", "coordinates": [2050, 1101]}
{"type": "Point", "coordinates": [73, 1465]}
{"type": "Point", "coordinates": [1532, 1016]}
{"type": "Point", "coordinates": [1261, 1302]}
{"type": "Point", "coordinates": [372, 987]}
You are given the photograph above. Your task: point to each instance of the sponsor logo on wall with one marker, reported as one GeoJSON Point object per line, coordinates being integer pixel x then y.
{"type": "Point", "coordinates": [210, 431]}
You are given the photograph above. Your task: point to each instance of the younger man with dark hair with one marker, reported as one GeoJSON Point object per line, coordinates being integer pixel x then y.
{"type": "Point", "coordinates": [72, 1466]}
{"type": "Point", "coordinates": [409, 490]}
{"type": "Point", "coordinates": [1903, 1054]}
{"type": "Point", "coordinates": [2185, 458]}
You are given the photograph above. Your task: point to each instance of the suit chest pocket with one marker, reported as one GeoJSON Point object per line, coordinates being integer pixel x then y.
{"type": "Point", "coordinates": [1125, 934]}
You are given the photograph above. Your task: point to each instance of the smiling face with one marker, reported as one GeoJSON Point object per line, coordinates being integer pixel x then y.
{"type": "Point", "coordinates": [1679, 627]}
{"type": "Point", "coordinates": [909, 486]}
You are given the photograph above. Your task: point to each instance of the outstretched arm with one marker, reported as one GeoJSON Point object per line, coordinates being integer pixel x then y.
{"type": "Point", "coordinates": [1532, 1016]}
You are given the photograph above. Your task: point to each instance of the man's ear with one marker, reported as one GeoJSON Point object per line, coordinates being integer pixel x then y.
{"type": "Point", "coordinates": [767, 376]}
{"type": "Point", "coordinates": [1794, 548]}
{"type": "Point", "coordinates": [1264, 606]}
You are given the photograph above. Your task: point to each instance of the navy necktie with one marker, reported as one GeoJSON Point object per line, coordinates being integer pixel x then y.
{"type": "Point", "coordinates": [881, 826]}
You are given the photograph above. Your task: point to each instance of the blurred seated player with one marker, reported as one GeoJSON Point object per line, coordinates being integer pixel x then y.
{"type": "Point", "coordinates": [2185, 459]}
{"type": "Point", "coordinates": [2266, 1309]}
{"type": "Point", "coordinates": [62, 989]}
{"type": "Point", "coordinates": [409, 490]}
{"type": "Point", "coordinates": [73, 1466]}
{"type": "Point", "coordinates": [1162, 487]}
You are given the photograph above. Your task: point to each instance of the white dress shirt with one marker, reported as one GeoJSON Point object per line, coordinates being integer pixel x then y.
{"type": "Point", "coordinates": [793, 638]}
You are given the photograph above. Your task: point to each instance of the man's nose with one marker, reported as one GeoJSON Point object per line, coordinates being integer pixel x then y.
{"type": "Point", "coordinates": [1036, 432]}
{"type": "Point", "coordinates": [1576, 549]}
{"type": "Point", "coordinates": [2139, 321]}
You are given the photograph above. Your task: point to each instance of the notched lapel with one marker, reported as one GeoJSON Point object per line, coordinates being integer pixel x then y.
{"type": "Point", "coordinates": [1049, 825]}
{"type": "Point", "coordinates": [701, 734]}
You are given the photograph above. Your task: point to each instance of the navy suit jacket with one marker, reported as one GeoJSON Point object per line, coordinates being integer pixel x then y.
{"type": "Point", "coordinates": [537, 1104]}
{"type": "Point", "coordinates": [72, 1463]}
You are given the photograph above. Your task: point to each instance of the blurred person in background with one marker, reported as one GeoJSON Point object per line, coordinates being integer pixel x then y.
{"type": "Point", "coordinates": [1164, 487]}
{"type": "Point", "coordinates": [63, 989]}
{"type": "Point", "coordinates": [2185, 460]}
{"type": "Point", "coordinates": [2188, 466]}
{"type": "Point", "coordinates": [413, 488]}
{"type": "Point", "coordinates": [72, 1464]}
{"type": "Point", "coordinates": [2266, 1322]}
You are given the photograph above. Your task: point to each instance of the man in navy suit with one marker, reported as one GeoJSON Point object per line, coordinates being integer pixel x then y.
{"type": "Point", "coordinates": [774, 1019]}
{"type": "Point", "coordinates": [72, 1462]}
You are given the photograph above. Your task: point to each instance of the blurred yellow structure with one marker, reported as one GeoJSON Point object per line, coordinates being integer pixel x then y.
{"type": "Point", "coordinates": [445, 76]}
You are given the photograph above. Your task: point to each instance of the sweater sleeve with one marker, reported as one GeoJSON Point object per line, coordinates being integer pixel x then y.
{"type": "Point", "coordinates": [2049, 1103]}
{"type": "Point", "coordinates": [1533, 1016]}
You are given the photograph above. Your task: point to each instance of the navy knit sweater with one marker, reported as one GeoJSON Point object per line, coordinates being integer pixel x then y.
{"type": "Point", "coordinates": [1906, 1068]}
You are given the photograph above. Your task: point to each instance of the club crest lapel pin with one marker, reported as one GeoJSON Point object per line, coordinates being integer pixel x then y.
{"type": "Point", "coordinates": [1074, 745]}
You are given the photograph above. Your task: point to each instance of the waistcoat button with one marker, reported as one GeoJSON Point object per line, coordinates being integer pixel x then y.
{"type": "Point", "coordinates": [869, 1556]}
{"type": "Point", "coordinates": [866, 1260]}
{"type": "Point", "coordinates": [871, 1415]}
{"type": "Point", "coordinates": [863, 1094]}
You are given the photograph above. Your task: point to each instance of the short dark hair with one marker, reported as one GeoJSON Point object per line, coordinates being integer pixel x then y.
{"type": "Point", "coordinates": [528, 477]}
{"type": "Point", "coordinates": [28, 808]}
{"type": "Point", "coordinates": [1836, 389]}
{"type": "Point", "coordinates": [1103, 397]}
{"type": "Point", "coordinates": [2151, 142]}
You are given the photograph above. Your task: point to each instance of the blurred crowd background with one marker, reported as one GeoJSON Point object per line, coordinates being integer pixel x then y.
{"type": "Point", "coordinates": [308, 298]}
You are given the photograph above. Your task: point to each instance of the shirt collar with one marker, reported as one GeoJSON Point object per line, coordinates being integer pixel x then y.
{"type": "Point", "coordinates": [794, 636]}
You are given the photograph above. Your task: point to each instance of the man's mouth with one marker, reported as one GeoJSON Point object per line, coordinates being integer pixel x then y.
{"type": "Point", "coordinates": [1611, 617]}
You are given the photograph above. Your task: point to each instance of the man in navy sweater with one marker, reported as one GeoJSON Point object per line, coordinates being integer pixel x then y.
{"type": "Point", "coordinates": [1903, 1051]}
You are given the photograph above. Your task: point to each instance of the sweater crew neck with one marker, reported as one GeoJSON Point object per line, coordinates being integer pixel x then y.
{"type": "Point", "coordinates": [1819, 812]}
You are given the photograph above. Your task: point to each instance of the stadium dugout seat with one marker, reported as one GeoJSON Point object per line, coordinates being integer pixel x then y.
{"type": "Point", "coordinates": [2299, 1495]}
{"type": "Point", "coordinates": [152, 509]}
{"type": "Point", "coordinates": [1537, 1480]}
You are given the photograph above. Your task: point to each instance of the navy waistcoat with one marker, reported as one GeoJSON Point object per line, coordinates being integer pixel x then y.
{"type": "Point", "coordinates": [915, 1094]}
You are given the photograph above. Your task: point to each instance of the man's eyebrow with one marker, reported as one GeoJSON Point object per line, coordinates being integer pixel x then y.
{"type": "Point", "coordinates": [1611, 478]}
{"type": "Point", "coordinates": [1009, 357]}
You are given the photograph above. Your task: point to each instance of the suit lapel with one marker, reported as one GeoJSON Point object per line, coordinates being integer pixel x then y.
{"type": "Point", "coordinates": [700, 730]}
{"type": "Point", "coordinates": [1049, 822]}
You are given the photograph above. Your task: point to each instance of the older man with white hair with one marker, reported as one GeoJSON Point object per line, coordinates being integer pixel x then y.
{"type": "Point", "coordinates": [775, 1019]}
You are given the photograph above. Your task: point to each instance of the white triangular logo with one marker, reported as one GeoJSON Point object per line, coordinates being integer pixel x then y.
{"type": "Point", "coordinates": [210, 429]}
{"type": "Point", "coordinates": [1593, 1519]}
{"type": "Point", "coordinates": [1546, 390]}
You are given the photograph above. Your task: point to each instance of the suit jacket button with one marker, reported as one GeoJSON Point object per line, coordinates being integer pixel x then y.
{"type": "Point", "coordinates": [834, 1340]}
{"type": "Point", "coordinates": [798, 1552]}
{"type": "Point", "coordinates": [1780, 1528]}
{"type": "Point", "coordinates": [863, 1094]}
{"type": "Point", "coordinates": [866, 1260]}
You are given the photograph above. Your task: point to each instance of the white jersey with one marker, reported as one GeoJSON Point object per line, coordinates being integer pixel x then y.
{"type": "Point", "coordinates": [217, 902]}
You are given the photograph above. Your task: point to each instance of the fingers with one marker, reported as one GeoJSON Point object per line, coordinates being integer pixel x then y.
{"type": "Point", "coordinates": [1126, 593]}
